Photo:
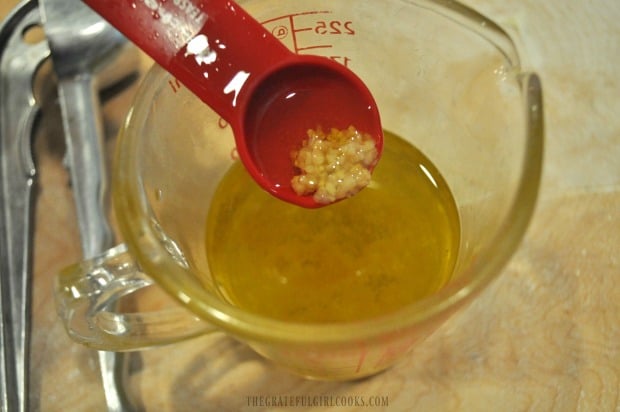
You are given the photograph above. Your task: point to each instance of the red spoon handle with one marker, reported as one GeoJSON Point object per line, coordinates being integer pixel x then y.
{"type": "Point", "coordinates": [213, 47]}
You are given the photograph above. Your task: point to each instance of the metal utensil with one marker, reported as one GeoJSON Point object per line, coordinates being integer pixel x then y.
{"type": "Point", "coordinates": [19, 62]}
{"type": "Point", "coordinates": [86, 52]}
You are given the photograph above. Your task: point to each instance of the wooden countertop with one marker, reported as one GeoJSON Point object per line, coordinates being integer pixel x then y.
{"type": "Point", "coordinates": [545, 336]}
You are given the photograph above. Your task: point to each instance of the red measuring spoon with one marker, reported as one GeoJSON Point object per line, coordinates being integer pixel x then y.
{"type": "Point", "coordinates": [269, 95]}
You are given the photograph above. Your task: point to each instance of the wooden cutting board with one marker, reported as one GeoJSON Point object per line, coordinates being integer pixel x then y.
{"type": "Point", "coordinates": [545, 336]}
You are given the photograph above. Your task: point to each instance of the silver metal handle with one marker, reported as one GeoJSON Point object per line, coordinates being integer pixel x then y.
{"type": "Point", "coordinates": [85, 157]}
{"type": "Point", "coordinates": [85, 48]}
{"type": "Point", "coordinates": [19, 62]}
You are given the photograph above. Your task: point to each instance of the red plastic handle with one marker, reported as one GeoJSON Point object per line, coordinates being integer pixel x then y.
{"type": "Point", "coordinates": [214, 47]}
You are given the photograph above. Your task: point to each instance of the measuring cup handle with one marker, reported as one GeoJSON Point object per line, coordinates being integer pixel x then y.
{"type": "Point", "coordinates": [87, 291]}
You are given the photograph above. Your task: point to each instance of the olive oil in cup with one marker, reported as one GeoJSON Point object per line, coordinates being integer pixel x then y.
{"type": "Point", "coordinates": [390, 245]}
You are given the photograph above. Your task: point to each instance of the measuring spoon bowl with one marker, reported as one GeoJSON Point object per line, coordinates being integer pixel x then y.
{"type": "Point", "coordinates": [269, 95]}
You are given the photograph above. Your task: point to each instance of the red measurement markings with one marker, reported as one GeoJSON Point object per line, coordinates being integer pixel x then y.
{"type": "Point", "coordinates": [222, 123]}
{"type": "Point", "coordinates": [282, 31]}
{"type": "Point", "coordinates": [324, 27]}
{"type": "Point", "coordinates": [362, 358]}
{"type": "Point", "coordinates": [317, 25]}
{"type": "Point", "coordinates": [175, 84]}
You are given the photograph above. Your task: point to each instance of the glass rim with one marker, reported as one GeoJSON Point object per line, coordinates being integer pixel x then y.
{"type": "Point", "coordinates": [255, 327]}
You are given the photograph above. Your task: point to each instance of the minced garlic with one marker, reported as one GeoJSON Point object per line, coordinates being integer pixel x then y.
{"type": "Point", "coordinates": [333, 166]}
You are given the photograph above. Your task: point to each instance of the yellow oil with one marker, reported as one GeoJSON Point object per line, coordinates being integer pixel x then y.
{"type": "Point", "coordinates": [390, 245]}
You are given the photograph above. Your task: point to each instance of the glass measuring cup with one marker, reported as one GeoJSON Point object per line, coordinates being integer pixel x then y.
{"type": "Point", "coordinates": [445, 78]}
